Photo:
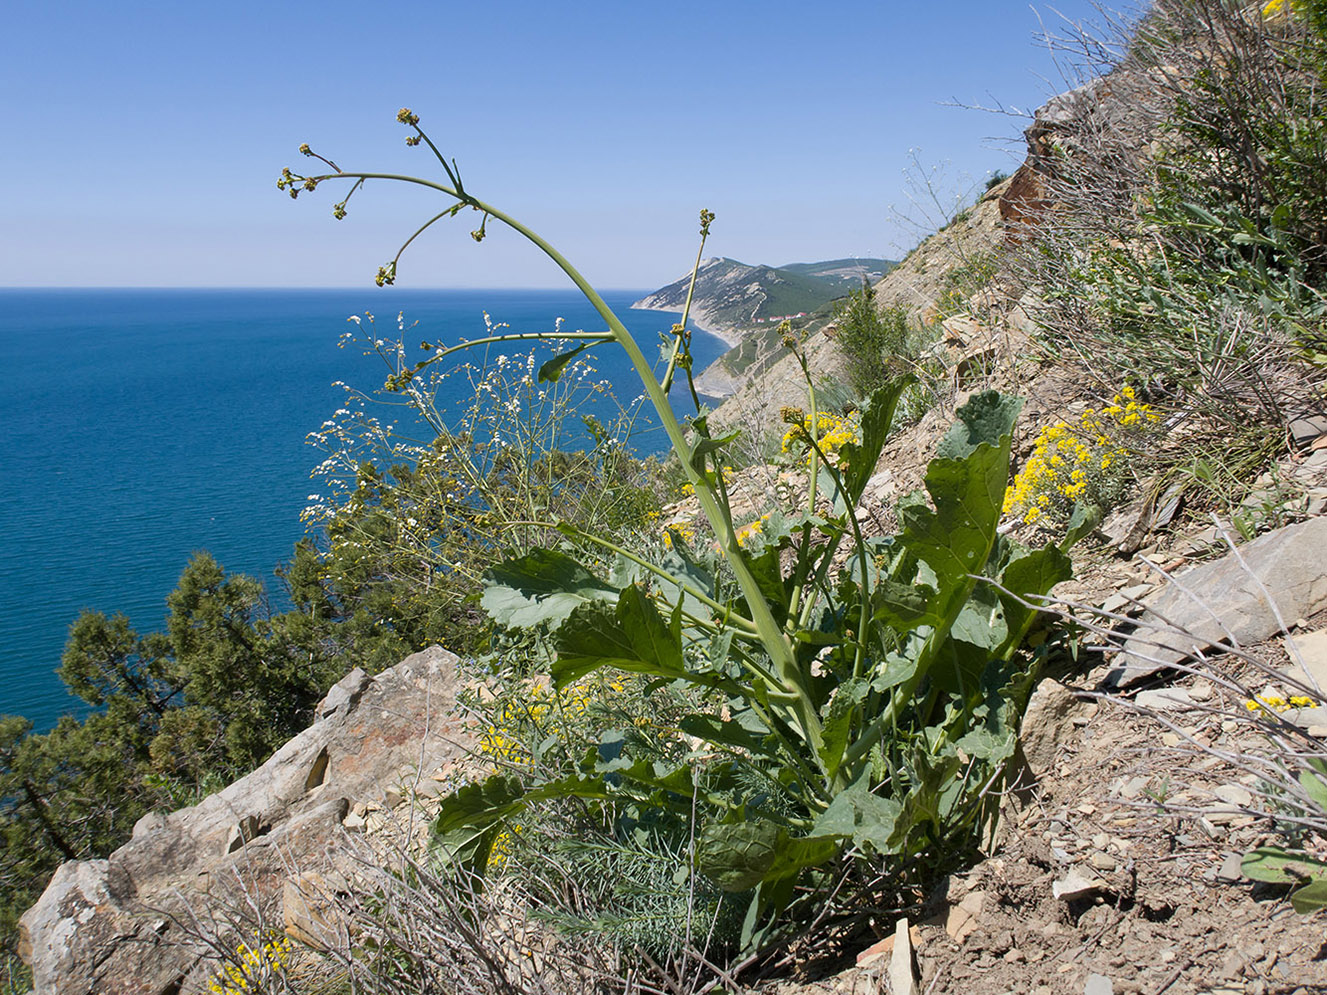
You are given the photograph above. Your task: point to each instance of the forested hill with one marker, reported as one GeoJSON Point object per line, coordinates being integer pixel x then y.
{"type": "Point", "coordinates": [732, 296]}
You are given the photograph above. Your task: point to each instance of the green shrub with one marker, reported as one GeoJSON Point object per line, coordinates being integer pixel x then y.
{"type": "Point", "coordinates": [873, 343]}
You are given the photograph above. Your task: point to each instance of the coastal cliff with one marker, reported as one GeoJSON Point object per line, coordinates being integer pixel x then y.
{"type": "Point", "coordinates": [744, 305]}
{"type": "Point", "coordinates": [1142, 771]}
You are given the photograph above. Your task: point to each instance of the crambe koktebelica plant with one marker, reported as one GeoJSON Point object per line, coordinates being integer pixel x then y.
{"type": "Point", "coordinates": [856, 696]}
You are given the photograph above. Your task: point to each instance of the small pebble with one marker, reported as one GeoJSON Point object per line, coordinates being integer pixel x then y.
{"type": "Point", "coordinates": [1103, 862]}
{"type": "Point", "coordinates": [1231, 869]}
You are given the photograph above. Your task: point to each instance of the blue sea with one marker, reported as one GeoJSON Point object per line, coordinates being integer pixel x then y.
{"type": "Point", "coordinates": [139, 426]}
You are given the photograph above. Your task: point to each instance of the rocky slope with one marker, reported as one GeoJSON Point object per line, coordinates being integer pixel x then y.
{"type": "Point", "coordinates": [744, 305]}
{"type": "Point", "coordinates": [141, 921]}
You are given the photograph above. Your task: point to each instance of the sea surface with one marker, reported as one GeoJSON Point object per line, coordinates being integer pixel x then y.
{"type": "Point", "coordinates": [138, 426]}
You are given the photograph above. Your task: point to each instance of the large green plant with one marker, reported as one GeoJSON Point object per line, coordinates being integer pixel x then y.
{"type": "Point", "coordinates": [860, 694]}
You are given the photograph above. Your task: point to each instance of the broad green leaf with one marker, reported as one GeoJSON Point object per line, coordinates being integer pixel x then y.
{"type": "Point", "coordinates": [736, 856]}
{"type": "Point", "coordinates": [991, 737]}
{"type": "Point", "coordinates": [933, 777]}
{"type": "Point", "coordinates": [739, 856]}
{"type": "Point", "coordinates": [900, 666]}
{"type": "Point", "coordinates": [714, 730]}
{"type": "Point", "coordinates": [1277, 866]}
{"type": "Point", "coordinates": [861, 816]}
{"type": "Point", "coordinates": [981, 621]}
{"type": "Point", "coordinates": [1029, 577]}
{"type": "Point", "coordinates": [955, 539]}
{"type": "Point", "coordinates": [686, 575]}
{"type": "Point", "coordinates": [632, 636]}
{"type": "Point", "coordinates": [1310, 898]}
{"type": "Point", "coordinates": [509, 607]}
{"type": "Point", "coordinates": [957, 666]}
{"type": "Point", "coordinates": [1315, 788]}
{"type": "Point", "coordinates": [838, 722]}
{"type": "Point", "coordinates": [903, 606]}
{"type": "Point", "coordinates": [794, 854]}
{"type": "Point", "coordinates": [1082, 521]}
{"type": "Point", "coordinates": [480, 804]}
{"type": "Point", "coordinates": [675, 779]}
{"type": "Point", "coordinates": [705, 445]}
{"type": "Point", "coordinates": [551, 370]}
{"type": "Point", "coordinates": [986, 419]}
{"type": "Point", "coordinates": [767, 569]}
{"type": "Point", "coordinates": [877, 419]}
{"type": "Point", "coordinates": [543, 586]}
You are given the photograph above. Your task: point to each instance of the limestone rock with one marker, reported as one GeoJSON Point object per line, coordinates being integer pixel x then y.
{"type": "Point", "coordinates": [91, 929]}
{"type": "Point", "coordinates": [1047, 721]}
{"type": "Point", "coordinates": [902, 979]}
{"type": "Point", "coordinates": [1226, 600]}
{"type": "Point", "coordinates": [1309, 653]}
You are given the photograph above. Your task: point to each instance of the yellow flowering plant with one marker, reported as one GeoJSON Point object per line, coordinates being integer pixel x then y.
{"type": "Point", "coordinates": [1086, 462]}
{"type": "Point", "coordinates": [831, 433]}
{"type": "Point", "coordinates": [252, 968]}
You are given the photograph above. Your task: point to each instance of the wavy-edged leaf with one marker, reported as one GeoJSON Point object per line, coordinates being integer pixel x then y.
{"type": "Point", "coordinates": [981, 621]}
{"type": "Point", "coordinates": [739, 856]}
{"type": "Point", "coordinates": [986, 419]}
{"type": "Point", "coordinates": [836, 732]}
{"type": "Point", "coordinates": [901, 665]}
{"type": "Point", "coordinates": [903, 606]}
{"type": "Point", "coordinates": [544, 586]}
{"type": "Point", "coordinates": [705, 445]}
{"type": "Point", "coordinates": [632, 636]}
{"type": "Point", "coordinates": [856, 813]}
{"type": "Point", "coordinates": [1277, 866]}
{"type": "Point", "coordinates": [967, 488]}
{"type": "Point", "coordinates": [877, 419]}
{"type": "Point", "coordinates": [1027, 577]}
{"type": "Point", "coordinates": [1310, 898]}
{"type": "Point", "coordinates": [736, 856]}
{"type": "Point", "coordinates": [714, 730]}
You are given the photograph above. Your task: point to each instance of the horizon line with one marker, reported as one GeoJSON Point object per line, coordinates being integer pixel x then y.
{"type": "Point", "coordinates": [125, 286]}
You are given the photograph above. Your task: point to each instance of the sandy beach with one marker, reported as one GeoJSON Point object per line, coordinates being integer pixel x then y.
{"type": "Point", "coordinates": [699, 319]}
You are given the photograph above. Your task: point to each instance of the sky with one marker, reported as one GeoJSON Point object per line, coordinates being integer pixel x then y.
{"type": "Point", "coordinates": [140, 143]}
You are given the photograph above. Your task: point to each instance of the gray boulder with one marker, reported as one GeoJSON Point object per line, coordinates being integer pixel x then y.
{"type": "Point", "coordinates": [1230, 601]}
{"type": "Point", "coordinates": [119, 926]}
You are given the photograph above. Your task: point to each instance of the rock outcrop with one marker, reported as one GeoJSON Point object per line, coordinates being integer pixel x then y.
{"type": "Point", "coordinates": [1244, 598]}
{"type": "Point", "coordinates": [120, 926]}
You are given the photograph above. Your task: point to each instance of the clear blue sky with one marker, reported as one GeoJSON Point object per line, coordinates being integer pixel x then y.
{"type": "Point", "coordinates": [141, 142]}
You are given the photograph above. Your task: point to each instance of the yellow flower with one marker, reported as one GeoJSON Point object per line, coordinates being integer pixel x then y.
{"type": "Point", "coordinates": [251, 967]}
{"type": "Point", "coordinates": [749, 533]}
{"type": "Point", "coordinates": [1073, 462]}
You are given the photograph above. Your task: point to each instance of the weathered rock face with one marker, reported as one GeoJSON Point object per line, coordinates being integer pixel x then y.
{"type": "Point", "coordinates": [112, 926]}
{"type": "Point", "coordinates": [1079, 126]}
{"type": "Point", "coordinates": [1240, 599]}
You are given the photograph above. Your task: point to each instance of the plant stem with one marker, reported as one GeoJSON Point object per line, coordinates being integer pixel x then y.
{"type": "Point", "coordinates": [776, 642]}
